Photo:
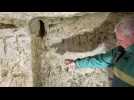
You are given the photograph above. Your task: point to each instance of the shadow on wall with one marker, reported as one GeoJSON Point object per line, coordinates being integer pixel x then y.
{"type": "Point", "coordinates": [7, 26]}
{"type": "Point", "coordinates": [88, 41]}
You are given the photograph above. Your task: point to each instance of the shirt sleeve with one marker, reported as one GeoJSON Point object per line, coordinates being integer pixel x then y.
{"type": "Point", "coordinates": [97, 61]}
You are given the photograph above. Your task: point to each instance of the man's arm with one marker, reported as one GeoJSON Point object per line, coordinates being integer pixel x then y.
{"type": "Point", "coordinates": [97, 61]}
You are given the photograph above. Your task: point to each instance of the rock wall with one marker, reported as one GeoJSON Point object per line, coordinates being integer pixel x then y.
{"type": "Point", "coordinates": [65, 38]}
{"type": "Point", "coordinates": [15, 58]}
{"type": "Point", "coordinates": [35, 44]}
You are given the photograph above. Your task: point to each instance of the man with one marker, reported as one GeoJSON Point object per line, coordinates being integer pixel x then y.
{"type": "Point", "coordinates": [120, 59]}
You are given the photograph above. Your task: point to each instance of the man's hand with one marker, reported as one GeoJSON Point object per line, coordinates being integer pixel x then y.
{"type": "Point", "coordinates": [70, 64]}
{"type": "Point", "coordinates": [68, 61]}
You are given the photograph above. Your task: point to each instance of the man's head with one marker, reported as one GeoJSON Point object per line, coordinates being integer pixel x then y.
{"type": "Point", "coordinates": [125, 31]}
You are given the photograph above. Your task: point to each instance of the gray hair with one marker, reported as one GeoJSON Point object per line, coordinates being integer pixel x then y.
{"type": "Point", "coordinates": [126, 26]}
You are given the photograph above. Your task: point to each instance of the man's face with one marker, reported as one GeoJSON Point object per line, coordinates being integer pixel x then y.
{"type": "Point", "coordinates": [123, 40]}
{"type": "Point", "coordinates": [125, 26]}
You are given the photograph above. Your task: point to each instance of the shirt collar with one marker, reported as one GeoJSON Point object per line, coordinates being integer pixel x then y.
{"type": "Point", "coordinates": [130, 48]}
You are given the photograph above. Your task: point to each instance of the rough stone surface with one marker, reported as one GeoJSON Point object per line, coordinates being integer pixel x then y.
{"type": "Point", "coordinates": [66, 38]}
{"type": "Point", "coordinates": [15, 58]}
{"type": "Point", "coordinates": [31, 58]}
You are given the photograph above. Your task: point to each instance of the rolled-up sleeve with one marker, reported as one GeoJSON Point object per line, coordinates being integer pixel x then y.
{"type": "Point", "coordinates": [97, 61]}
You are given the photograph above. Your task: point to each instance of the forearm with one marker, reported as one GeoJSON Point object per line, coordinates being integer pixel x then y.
{"type": "Point", "coordinates": [97, 61]}
{"type": "Point", "coordinates": [91, 62]}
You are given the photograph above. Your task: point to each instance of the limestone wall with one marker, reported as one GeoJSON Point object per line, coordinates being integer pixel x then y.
{"type": "Point", "coordinates": [15, 50]}
{"type": "Point", "coordinates": [69, 37]}
{"type": "Point", "coordinates": [33, 57]}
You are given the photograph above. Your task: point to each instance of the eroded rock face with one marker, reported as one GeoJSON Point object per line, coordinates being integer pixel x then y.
{"type": "Point", "coordinates": [66, 37]}
{"type": "Point", "coordinates": [73, 37]}
{"type": "Point", "coordinates": [34, 46]}
{"type": "Point", "coordinates": [15, 50]}
{"type": "Point", "coordinates": [15, 58]}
